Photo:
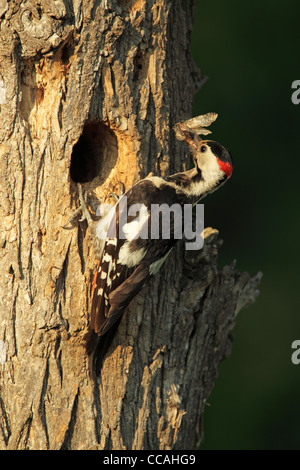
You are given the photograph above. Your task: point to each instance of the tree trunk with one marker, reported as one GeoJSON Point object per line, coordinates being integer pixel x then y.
{"type": "Point", "coordinates": [89, 92]}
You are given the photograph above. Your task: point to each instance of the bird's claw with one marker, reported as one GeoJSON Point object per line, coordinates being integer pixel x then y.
{"type": "Point", "coordinates": [81, 209]}
{"type": "Point", "coordinates": [122, 191]}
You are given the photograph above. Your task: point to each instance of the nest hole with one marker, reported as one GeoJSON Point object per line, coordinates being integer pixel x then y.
{"type": "Point", "coordinates": [95, 153]}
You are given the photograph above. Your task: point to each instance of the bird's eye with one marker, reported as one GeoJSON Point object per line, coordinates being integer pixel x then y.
{"type": "Point", "coordinates": [203, 148]}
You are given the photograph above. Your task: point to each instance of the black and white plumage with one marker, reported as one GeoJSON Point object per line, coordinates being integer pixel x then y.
{"type": "Point", "coordinates": [128, 262]}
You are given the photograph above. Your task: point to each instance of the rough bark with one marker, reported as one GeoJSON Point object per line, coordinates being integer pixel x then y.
{"type": "Point", "coordinates": [90, 91]}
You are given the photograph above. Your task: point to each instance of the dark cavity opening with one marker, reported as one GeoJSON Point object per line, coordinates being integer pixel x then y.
{"type": "Point", "coordinates": [95, 153]}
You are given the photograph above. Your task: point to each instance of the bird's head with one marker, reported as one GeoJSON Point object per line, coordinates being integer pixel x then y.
{"type": "Point", "coordinates": [214, 162]}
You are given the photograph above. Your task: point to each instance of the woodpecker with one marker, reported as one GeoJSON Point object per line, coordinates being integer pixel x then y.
{"type": "Point", "coordinates": [128, 262]}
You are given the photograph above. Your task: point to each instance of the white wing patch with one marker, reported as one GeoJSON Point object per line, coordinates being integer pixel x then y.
{"type": "Point", "coordinates": [130, 258]}
{"type": "Point", "coordinates": [100, 291]}
{"type": "Point", "coordinates": [136, 228]}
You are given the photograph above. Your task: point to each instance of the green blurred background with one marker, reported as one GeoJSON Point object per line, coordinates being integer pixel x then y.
{"type": "Point", "coordinates": [250, 52]}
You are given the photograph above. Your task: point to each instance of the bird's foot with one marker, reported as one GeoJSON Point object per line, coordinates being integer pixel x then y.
{"type": "Point", "coordinates": [122, 191]}
{"type": "Point", "coordinates": [83, 209]}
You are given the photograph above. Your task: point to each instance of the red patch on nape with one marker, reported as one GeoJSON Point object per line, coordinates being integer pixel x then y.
{"type": "Point", "coordinates": [225, 167]}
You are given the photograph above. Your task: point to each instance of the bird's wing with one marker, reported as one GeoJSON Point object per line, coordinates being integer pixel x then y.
{"type": "Point", "coordinates": [126, 264]}
{"type": "Point", "coordinates": [120, 298]}
{"type": "Point", "coordinates": [128, 243]}
{"type": "Point", "coordinates": [120, 257]}
{"type": "Point", "coordinates": [109, 275]}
